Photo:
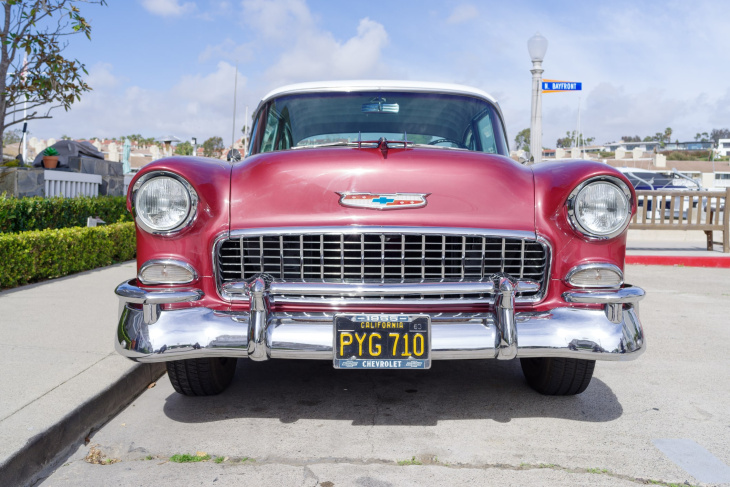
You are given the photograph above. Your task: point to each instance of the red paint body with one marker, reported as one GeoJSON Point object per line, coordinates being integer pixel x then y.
{"type": "Point", "coordinates": [298, 188]}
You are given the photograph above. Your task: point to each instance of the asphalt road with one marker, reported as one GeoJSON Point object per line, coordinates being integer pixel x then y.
{"type": "Point", "coordinates": [661, 418]}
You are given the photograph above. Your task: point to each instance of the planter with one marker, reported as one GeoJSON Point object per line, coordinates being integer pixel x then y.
{"type": "Point", "coordinates": [50, 162]}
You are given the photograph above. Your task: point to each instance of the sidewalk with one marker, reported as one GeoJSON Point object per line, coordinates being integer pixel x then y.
{"type": "Point", "coordinates": [59, 372]}
{"type": "Point", "coordinates": [662, 250]}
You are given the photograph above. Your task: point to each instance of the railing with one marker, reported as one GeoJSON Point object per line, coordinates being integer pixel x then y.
{"type": "Point", "coordinates": [685, 210]}
{"type": "Point", "coordinates": [71, 184]}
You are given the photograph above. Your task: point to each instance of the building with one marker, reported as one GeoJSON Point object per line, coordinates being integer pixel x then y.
{"type": "Point", "coordinates": [629, 146]}
{"type": "Point", "coordinates": [723, 147]}
{"type": "Point", "coordinates": [693, 145]}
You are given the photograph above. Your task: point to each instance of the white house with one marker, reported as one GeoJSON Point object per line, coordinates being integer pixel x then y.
{"type": "Point", "coordinates": [723, 147]}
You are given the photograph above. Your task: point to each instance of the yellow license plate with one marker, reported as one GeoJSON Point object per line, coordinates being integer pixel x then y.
{"type": "Point", "coordinates": [382, 341]}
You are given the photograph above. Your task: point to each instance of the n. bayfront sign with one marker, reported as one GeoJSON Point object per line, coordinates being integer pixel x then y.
{"type": "Point", "coordinates": [554, 86]}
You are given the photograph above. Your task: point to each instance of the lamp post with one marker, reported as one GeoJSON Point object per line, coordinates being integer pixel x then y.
{"type": "Point", "coordinates": [536, 46]}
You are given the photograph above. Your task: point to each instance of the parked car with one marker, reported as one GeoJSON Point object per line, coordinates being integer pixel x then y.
{"type": "Point", "coordinates": [379, 225]}
{"type": "Point", "coordinates": [647, 180]}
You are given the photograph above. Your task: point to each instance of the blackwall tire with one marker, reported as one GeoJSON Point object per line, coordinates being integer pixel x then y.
{"type": "Point", "coordinates": [201, 376]}
{"type": "Point", "coordinates": [558, 376]}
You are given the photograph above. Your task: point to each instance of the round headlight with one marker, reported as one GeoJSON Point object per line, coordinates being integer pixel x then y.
{"type": "Point", "coordinates": [600, 208]}
{"type": "Point", "coordinates": [164, 203]}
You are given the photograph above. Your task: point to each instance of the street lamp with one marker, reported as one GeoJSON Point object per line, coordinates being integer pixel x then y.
{"type": "Point", "coordinates": [536, 46]}
{"type": "Point", "coordinates": [195, 145]}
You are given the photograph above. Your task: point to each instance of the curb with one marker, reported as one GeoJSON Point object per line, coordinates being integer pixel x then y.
{"type": "Point", "coordinates": [679, 260]}
{"type": "Point", "coordinates": [28, 463]}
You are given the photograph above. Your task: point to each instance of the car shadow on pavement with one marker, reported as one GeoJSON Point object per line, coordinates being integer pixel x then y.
{"type": "Point", "coordinates": [471, 389]}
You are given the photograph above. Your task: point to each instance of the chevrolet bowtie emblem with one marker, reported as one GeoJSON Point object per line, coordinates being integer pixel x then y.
{"type": "Point", "coordinates": [383, 201]}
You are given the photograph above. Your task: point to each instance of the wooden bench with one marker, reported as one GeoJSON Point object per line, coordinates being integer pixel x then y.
{"type": "Point", "coordinates": [685, 210]}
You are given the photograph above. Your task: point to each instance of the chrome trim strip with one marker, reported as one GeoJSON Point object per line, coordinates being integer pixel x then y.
{"type": "Point", "coordinates": [381, 289]}
{"type": "Point", "coordinates": [625, 295]}
{"type": "Point", "coordinates": [133, 294]}
{"type": "Point", "coordinates": [166, 262]}
{"type": "Point", "coordinates": [595, 265]}
{"type": "Point", "coordinates": [358, 229]}
{"type": "Point", "coordinates": [336, 302]}
{"type": "Point", "coordinates": [192, 211]}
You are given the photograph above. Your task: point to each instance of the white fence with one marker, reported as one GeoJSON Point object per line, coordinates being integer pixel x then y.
{"type": "Point", "coordinates": [71, 184]}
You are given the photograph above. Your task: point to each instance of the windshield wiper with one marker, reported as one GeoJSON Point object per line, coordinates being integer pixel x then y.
{"type": "Point", "coordinates": [325, 144]}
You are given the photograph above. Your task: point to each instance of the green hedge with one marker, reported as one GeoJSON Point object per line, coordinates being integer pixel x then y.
{"type": "Point", "coordinates": [45, 254]}
{"type": "Point", "coordinates": [25, 214]}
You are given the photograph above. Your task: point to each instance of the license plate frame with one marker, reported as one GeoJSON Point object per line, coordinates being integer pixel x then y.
{"type": "Point", "coordinates": [356, 352]}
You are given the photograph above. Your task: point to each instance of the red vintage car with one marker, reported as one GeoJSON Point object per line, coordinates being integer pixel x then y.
{"type": "Point", "coordinates": [379, 225]}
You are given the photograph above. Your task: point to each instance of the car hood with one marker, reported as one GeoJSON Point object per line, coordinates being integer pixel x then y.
{"type": "Point", "coordinates": [301, 188]}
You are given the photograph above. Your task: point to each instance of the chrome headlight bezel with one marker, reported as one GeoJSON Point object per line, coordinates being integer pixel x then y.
{"type": "Point", "coordinates": [575, 221]}
{"type": "Point", "coordinates": [192, 197]}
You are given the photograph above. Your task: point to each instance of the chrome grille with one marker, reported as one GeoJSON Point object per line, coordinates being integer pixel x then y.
{"type": "Point", "coordinates": [380, 257]}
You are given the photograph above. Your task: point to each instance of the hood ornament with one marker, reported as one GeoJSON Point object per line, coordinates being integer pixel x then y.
{"type": "Point", "coordinates": [383, 201]}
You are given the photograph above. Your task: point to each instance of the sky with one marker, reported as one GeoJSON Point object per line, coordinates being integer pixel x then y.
{"type": "Point", "coordinates": [160, 67]}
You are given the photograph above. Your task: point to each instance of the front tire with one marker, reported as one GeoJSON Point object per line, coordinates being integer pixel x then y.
{"type": "Point", "coordinates": [554, 376]}
{"type": "Point", "coordinates": [201, 376]}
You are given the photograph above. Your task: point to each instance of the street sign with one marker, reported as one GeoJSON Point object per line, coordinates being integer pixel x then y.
{"type": "Point", "coordinates": [554, 86]}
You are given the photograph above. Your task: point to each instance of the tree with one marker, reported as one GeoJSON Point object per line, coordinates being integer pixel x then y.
{"type": "Point", "coordinates": [571, 140]}
{"type": "Point", "coordinates": [184, 149]}
{"type": "Point", "coordinates": [213, 147]}
{"type": "Point", "coordinates": [702, 137]}
{"type": "Point", "coordinates": [34, 74]}
{"type": "Point", "coordinates": [667, 135]}
{"type": "Point", "coordinates": [12, 137]}
{"type": "Point", "coordinates": [718, 134]}
{"type": "Point", "coordinates": [522, 141]}
{"type": "Point", "coordinates": [629, 138]}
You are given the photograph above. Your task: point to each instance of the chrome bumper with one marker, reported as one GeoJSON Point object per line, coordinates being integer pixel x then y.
{"type": "Point", "coordinates": [154, 335]}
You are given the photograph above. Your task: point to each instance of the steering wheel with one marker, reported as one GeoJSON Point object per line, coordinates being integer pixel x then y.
{"type": "Point", "coordinates": [450, 141]}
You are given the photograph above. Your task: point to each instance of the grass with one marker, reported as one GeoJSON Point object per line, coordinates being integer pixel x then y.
{"type": "Point", "coordinates": [219, 459]}
{"type": "Point", "coordinates": [597, 470]}
{"type": "Point", "coordinates": [187, 458]}
{"type": "Point", "coordinates": [412, 461]}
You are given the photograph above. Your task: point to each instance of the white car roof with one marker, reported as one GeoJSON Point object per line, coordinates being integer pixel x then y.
{"type": "Point", "coordinates": [378, 85]}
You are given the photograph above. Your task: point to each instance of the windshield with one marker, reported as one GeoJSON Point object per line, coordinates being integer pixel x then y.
{"type": "Point", "coordinates": [335, 119]}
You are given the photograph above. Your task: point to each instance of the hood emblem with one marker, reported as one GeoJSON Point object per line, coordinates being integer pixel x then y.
{"type": "Point", "coordinates": [383, 201]}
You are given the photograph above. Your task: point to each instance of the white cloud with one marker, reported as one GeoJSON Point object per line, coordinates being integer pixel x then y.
{"type": "Point", "coordinates": [317, 55]}
{"type": "Point", "coordinates": [463, 13]}
{"type": "Point", "coordinates": [279, 20]}
{"type": "Point", "coordinates": [168, 8]}
{"type": "Point", "coordinates": [101, 77]}
{"type": "Point", "coordinates": [198, 105]}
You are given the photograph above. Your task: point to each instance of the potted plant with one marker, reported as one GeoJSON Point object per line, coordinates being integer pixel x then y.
{"type": "Point", "coordinates": [50, 158]}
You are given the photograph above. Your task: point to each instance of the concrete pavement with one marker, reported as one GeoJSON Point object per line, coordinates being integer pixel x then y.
{"type": "Point", "coordinates": [59, 372]}
{"type": "Point", "coordinates": [660, 420]}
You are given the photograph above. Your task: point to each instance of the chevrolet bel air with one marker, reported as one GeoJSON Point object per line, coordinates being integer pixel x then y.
{"type": "Point", "coordinates": [379, 225]}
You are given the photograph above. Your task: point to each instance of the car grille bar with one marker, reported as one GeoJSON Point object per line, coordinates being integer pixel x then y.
{"type": "Point", "coordinates": [380, 257]}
